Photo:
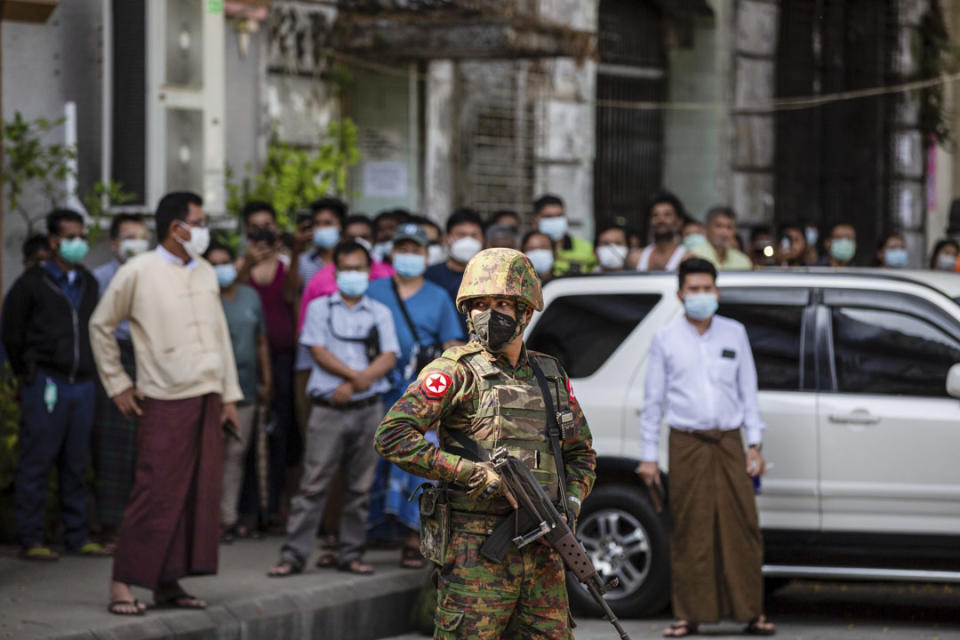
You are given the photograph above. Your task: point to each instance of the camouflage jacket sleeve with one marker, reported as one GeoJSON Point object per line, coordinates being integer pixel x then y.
{"type": "Point", "coordinates": [580, 460]}
{"type": "Point", "coordinates": [441, 387]}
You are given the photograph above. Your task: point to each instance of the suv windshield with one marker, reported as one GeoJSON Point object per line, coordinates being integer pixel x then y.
{"type": "Point", "coordinates": [583, 331]}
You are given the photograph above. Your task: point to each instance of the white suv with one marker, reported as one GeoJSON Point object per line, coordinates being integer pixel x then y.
{"type": "Point", "coordinates": [862, 438]}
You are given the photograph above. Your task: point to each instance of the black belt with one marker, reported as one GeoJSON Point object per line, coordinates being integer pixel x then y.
{"type": "Point", "coordinates": [356, 404]}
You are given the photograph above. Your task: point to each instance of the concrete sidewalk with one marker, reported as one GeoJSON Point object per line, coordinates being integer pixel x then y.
{"type": "Point", "coordinates": [68, 599]}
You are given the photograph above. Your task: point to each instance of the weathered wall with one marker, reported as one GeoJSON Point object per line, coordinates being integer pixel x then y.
{"type": "Point", "coordinates": [752, 132]}
{"type": "Point", "coordinates": [44, 66]}
{"type": "Point", "coordinates": [247, 123]}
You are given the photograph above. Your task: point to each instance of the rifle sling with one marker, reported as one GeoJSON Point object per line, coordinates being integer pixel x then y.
{"type": "Point", "coordinates": [553, 434]}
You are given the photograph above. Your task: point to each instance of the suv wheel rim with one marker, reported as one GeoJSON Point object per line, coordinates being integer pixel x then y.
{"type": "Point", "coordinates": [619, 547]}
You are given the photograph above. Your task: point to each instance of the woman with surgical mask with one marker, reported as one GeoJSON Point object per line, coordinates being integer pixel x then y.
{"type": "Point", "coordinates": [611, 249]}
{"type": "Point", "coordinates": [891, 252]}
{"type": "Point", "coordinates": [944, 256]}
{"type": "Point", "coordinates": [539, 248]}
{"type": "Point", "coordinates": [841, 246]}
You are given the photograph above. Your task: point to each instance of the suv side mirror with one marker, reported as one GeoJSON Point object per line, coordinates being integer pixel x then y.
{"type": "Point", "coordinates": [953, 381]}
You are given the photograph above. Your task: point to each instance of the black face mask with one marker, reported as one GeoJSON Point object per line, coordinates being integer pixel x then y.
{"type": "Point", "coordinates": [494, 330]}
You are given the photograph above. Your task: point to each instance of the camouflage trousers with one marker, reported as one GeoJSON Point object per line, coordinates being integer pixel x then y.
{"type": "Point", "coordinates": [524, 597]}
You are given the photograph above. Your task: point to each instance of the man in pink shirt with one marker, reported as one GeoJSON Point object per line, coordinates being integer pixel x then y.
{"type": "Point", "coordinates": [355, 227]}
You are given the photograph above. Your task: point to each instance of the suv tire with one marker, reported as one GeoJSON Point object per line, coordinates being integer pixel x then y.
{"type": "Point", "coordinates": [619, 525]}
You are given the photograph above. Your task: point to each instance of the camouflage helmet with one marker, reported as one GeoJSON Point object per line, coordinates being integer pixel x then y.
{"type": "Point", "coordinates": [505, 273]}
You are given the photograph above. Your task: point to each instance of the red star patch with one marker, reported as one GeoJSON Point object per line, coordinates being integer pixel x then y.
{"type": "Point", "coordinates": [435, 385]}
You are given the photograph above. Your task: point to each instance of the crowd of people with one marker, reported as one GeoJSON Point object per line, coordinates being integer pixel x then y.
{"type": "Point", "coordinates": [223, 389]}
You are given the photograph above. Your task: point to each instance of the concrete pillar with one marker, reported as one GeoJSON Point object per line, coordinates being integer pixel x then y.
{"type": "Point", "coordinates": [440, 122]}
{"type": "Point", "coordinates": [907, 192]}
{"type": "Point", "coordinates": [756, 28]}
{"type": "Point", "coordinates": [565, 119]}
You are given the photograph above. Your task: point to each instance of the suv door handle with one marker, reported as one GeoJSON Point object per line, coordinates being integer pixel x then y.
{"type": "Point", "coordinates": [860, 416]}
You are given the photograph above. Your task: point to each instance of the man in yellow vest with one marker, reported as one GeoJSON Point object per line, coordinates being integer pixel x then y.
{"type": "Point", "coordinates": [573, 255]}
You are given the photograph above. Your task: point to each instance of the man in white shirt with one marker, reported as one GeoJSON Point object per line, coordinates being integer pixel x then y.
{"type": "Point", "coordinates": [701, 378]}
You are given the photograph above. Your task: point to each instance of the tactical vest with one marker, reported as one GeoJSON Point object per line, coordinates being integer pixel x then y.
{"type": "Point", "coordinates": [510, 414]}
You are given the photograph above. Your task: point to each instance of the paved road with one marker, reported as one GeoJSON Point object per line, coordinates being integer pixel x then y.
{"type": "Point", "coordinates": [826, 611]}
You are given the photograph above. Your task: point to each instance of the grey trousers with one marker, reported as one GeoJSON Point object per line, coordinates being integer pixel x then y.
{"type": "Point", "coordinates": [234, 453]}
{"type": "Point", "coordinates": [335, 437]}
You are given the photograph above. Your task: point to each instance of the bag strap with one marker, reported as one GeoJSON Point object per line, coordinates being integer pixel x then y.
{"type": "Point", "coordinates": [403, 310]}
{"type": "Point", "coordinates": [553, 434]}
{"type": "Point", "coordinates": [468, 448]}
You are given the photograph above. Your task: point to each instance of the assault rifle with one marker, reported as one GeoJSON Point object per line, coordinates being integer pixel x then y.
{"type": "Point", "coordinates": [536, 517]}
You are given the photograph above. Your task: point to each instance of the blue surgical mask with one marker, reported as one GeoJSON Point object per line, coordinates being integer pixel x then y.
{"type": "Point", "coordinates": [409, 265]}
{"type": "Point", "coordinates": [542, 260]}
{"type": "Point", "coordinates": [226, 274]}
{"type": "Point", "coordinates": [352, 284]}
{"type": "Point", "coordinates": [326, 237]}
{"type": "Point", "coordinates": [811, 234]}
{"type": "Point", "coordinates": [694, 240]}
{"type": "Point", "coordinates": [700, 306]}
{"type": "Point", "coordinates": [555, 228]}
{"type": "Point", "coordinates": [73, 250]}
{"type": "Point", "coordinates": [895, 258]}
{"type": "Point", "coordinates": [843, 249]}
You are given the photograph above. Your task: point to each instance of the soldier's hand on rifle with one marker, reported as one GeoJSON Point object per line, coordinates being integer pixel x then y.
{"type": "Point", "coordinates": [484, 483]}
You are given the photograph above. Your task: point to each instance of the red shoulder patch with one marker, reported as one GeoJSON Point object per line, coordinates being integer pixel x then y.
{"type": "Point", "coordinates": [435, 385]}
{"type": "Point", "coordinates": [570, 393]}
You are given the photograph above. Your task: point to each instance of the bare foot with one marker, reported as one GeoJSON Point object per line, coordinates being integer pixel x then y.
{"type": "Point", "coordinates": [282, 570]}
{"type": "Point", "coordinates": [122, 601]}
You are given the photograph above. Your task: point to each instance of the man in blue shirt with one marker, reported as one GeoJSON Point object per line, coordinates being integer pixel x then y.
{"type": "Point", "coordinates": [354, 346]}
{"type": "Point", "coordinates": [464, 240]}
{"type": "Point", "coordinates": [426, 320]}
{"type": "Point", "coordinates": [45, 331]}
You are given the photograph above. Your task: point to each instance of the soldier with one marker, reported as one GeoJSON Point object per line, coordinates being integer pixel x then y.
{"type": "Point", "coordinates": [482, 396]}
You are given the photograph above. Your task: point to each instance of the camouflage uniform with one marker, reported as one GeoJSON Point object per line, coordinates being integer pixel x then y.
{"type": "Point", "coordinates": [495, 404]}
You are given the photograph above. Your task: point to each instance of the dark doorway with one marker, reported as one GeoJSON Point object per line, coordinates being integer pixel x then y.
{"type": "Point", "coordinates": [629, 163]}
{"type": "Point", "coordinates": [833, 161]}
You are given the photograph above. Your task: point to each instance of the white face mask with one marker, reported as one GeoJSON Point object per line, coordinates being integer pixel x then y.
{"type": "Point", "coordinates": [555, 228]}
{"type": "Point", "coordinates": [381, 250]}
{"type": "Point", "coordinates": [542, 260]}
{"type": "Point", "coordinates": [436, 253]}
{"type": "Point", "coordinates": [464, 249]}
{"type": "Point", "coordinates": [611, 256]}
{"type": "Point", "coordinates": [946, 262]}
{"type": "Point", "coordinates": [199, 240]}
{"type": "Point", "coordinates": [130, 247]}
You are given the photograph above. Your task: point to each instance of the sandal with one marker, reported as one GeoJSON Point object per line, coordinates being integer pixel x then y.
{"type": "Point", "coordinates": [760, 626]}
{"type": "Point", "coordinates": [410, 558]}
{"type": "Point", "coordinates": [181, 600]}
{"type": "Point", "coordinates": [680, 629]}
{"type": "Point", "coordinates": [91, 550]}
{"type": "Point", "coordinates": [356, 567]}
{"type": "Point", "coordinates": [327, 560]}
{"type": "Point", "coordinates": [114, 607]}
{"type": "Point", "coordinates": [284, 570]}
{"type": "Point", "coordinates": [39, 553]}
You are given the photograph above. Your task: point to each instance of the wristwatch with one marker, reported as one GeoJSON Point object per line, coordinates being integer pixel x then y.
{"type": "Point", "coordinates": [758, 446]}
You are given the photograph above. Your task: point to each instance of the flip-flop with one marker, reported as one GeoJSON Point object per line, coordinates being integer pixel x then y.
{"type": "Point", "coordinates": [752, 628]}
{"type": "Point", "coordinates": [39, 554]}
{"type": "Point", "coordinates": [410, 558]}
{"type": "Point", "coordinates": [114, 606]}
{"type": "Point", "coordinates": [680, 629]}
{"type": "Point", "coordinates": [359, 569]}
{"type": "Point", "coordinates": [179, 601]}
{"type": "Point", "coordinates": [91, 550]}
{"type": "Point", "coordinates": [294, 570]}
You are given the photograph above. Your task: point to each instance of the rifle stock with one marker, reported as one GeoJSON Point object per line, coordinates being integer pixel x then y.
{"type": "Point", "coordinates": [537, 517]}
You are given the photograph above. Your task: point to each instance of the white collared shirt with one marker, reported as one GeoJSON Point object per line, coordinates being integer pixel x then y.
{"type": "Point", "coordinates": [172, 259]}
{"type": "Point", "coordinates": [700, 382]}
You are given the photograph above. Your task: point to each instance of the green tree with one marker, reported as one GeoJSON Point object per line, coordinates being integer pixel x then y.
{"type": "Point", "coordinates": [292, 177]}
